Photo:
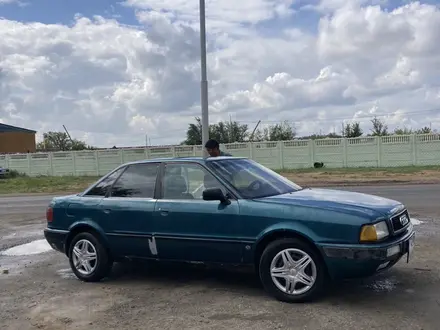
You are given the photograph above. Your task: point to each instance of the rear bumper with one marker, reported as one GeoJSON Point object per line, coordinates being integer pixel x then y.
{"type": "Point", "coordinates": [56, 239]}
{"type": "Point", "coordinates": [346, 261]}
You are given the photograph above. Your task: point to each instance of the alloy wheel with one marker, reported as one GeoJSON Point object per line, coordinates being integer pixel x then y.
{"type": "Point", "coordinates": [84, 257]}
{"type": "Point", "coordinates": [293, 271]}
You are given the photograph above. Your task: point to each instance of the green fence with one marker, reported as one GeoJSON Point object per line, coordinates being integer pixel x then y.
{"type": "Point", "coordinates": [389, 151]}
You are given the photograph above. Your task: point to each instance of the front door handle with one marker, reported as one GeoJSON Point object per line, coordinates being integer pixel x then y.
{"type": "Point", "coordinates": [163, 212]}
{"type": "Point", "coordinates": [106, 211]}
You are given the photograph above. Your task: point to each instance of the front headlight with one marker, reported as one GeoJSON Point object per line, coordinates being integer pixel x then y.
{"type": "Point", "coordinates": [376, 232]}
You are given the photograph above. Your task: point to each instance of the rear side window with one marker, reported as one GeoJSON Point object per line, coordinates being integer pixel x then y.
{"type": "Point", "coordinates": [138, 180]}
{"type": "Point", "coordinates": [102, 187]}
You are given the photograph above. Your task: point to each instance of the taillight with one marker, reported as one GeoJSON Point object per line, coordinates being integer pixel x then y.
{"type": "Point", "coordinates": [49, 214]}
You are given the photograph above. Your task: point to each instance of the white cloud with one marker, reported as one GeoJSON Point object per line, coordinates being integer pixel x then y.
{"type": "Point", "coordinates": [329, 6]}
{"type": "Point", "coordinates": [14, 2]}
{"type": "Point", "coordinates": [114, 84]}
{"type": "Point", "coordinates": [221, 15]}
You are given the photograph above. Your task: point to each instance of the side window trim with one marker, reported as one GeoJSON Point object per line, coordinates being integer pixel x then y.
{"type": "Point", "coordinates": [162, 175]}
{"type": "Point", "coordinates": [109, 190]}
{"type": "Point", "coordinates": [85, 193]}
{"type": "Point", "coordinates": [158, 190]}
{"type": "Point", "coordinates": [158, 164]}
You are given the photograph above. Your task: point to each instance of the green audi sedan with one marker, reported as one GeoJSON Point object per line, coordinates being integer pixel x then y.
{"type": "Point", "coordinates": [230, 211]}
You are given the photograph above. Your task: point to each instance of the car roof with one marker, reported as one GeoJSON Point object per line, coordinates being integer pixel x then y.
{"type": "Point", "coordinates": [193, 159]}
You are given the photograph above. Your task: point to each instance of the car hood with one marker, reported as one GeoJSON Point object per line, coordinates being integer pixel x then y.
{"type": "Point", "coordinates": [338, 200]}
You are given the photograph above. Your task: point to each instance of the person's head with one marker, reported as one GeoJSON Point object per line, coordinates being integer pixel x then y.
{"type": "Point", "coordinates": [213, 148]}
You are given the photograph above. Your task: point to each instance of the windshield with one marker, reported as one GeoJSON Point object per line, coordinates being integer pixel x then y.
{"type": "Point", "coordinates": [251, 179]}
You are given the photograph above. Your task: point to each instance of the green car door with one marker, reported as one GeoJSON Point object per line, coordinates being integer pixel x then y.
{"type": "Point", "coordinates": [127, 211]}
{"type": "Point", "coordinates": [186, 227]}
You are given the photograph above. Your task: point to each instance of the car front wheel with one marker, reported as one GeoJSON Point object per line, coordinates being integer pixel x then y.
{"type": "Point", "coordinates": [88, 258]}
{"type": "Point", "coordinates": [292, 271]}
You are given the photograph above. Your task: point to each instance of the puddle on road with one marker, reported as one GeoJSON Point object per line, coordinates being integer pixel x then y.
{"type": "Point", "coordinates": [383, 285]}
{"type": "Point", "coordinates": [34, 247]}
{"type": "Point", "coordinates": [416, 222]}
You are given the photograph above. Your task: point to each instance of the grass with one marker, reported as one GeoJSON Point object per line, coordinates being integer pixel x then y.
{"type": "Point", "coordinates": [17, 183]}
{"type": "Point", "coordinates": [44, 184]}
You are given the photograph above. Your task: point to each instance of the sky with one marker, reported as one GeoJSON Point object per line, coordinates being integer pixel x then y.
{"type": "Point", "coordinates": [127, 72]}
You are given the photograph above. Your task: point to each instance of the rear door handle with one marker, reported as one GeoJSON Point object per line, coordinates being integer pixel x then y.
{"type": "Point", "coordinates": [106, 211]}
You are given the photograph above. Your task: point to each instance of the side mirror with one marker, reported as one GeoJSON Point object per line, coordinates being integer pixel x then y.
{"type": "Point", "coordinates": [215, 194]}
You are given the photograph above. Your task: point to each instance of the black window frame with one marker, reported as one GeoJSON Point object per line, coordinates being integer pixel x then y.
{"type": "Point", "coordinates": [161, 175]}
{"type": "Point", "coordinates": [155, 192]}
{"type": "Point", "coordinates": [86, 192]}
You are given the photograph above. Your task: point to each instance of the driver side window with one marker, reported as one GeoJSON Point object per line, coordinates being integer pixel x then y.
{"type": "Point", "coordinates": [187, 181]}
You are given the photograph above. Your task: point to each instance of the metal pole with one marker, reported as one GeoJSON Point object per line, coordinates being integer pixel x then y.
{"type": "Point", "coordinates": [204, 78]}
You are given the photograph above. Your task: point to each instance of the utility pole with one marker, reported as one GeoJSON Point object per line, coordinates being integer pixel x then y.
{"type": "Point", "coordinates": [230, 129]}
{"type": "Point", "coordinates": [67, 132]}
{"type": "Point", "coordinates": [251, 139]}
{"type": "Point", "coordinates": [204, 78]}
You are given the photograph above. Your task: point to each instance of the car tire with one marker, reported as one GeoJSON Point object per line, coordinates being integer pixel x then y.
{"type": "Point", "coordinates": [88, 245]}
{"type": "Point", "coordinates": [297, 249]}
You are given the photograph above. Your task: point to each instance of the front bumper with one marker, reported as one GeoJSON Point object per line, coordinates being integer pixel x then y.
{"type": "Point", "coordinates": [56, 238]}
{"type": "Point", "coordinates": [345, 261]}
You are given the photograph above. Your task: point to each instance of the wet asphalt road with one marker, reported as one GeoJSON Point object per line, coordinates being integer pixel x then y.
{"type": "Point", "coordinates": [39, 292]}
{"type": "Point", "coordinates": [23, 204]}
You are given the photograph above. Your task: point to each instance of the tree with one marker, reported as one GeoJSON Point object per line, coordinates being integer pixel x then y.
{"type": "Point", "coordinates": [408, 131]}
{"type": "Point", "coordinates": [277, 132]}
{"type": "Point", "coordinates": [424, 130]}
{"type": "Point", "coordinates": [194, 133]}
{"type": "Point", "coordinates": [239, 133]}
{"type": "Point", "coordinates": [260, 135]}
{"type": "Point", "coordinates": [223, 132]}
{"type": "Point", "coordinates": [60, 141]}
{"type": "Point", "coordinates": [320, 136]}
{"type": "Point", "coordinates": [229, 132]}
{"type": "Point", "coordinates": [380, 128]}
{"type": "Point", "coordinates": [333, 136]}
{"type": "Point", "coordinates": [403, 131]}
{"type": "Point", "coordinates": [352, 130]}
{"type": "Point", "coordinates": [281, 132]}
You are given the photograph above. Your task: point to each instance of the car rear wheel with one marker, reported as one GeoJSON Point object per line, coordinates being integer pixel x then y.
{"type": "Point", "coordinates": [292, 271]}
{"type": "Point", "coordinates": [89, 258]}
